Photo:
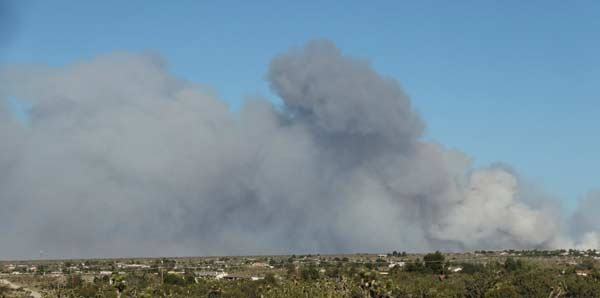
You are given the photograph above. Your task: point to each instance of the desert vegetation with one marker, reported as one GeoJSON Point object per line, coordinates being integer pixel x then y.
{"type": "Point", "coordinates": [484, 274]}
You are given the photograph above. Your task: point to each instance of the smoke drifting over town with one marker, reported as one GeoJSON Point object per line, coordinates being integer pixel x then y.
{"type": "Point", "coordinates": [120, 158]}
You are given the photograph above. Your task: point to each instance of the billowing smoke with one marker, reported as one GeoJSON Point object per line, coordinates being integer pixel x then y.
{"type": "Point", "coordinates": [120, 158]}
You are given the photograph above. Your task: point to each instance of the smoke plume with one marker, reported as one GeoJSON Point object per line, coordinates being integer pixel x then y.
{"type": "Point", "coordinates": [121, 158]}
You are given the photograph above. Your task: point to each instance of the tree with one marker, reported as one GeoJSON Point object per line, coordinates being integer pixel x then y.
{"type": "Point", "coordinates": [309, 273]}
{"type": "Point", "coordinates": [434, 262]}
{"type": "Point", "coordinates": [416, 266]}
{"type": "Point", "coordinates": [41, 269]}
{"type": "Point", "coordinates": [290, 270]}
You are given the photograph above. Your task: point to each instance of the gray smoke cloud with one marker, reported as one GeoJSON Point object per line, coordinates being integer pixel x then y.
{"type": "Point", "coordinates": [585, 217]}
{"type": "Point", "coordinates": [585, 223]}
{"type": "Point", "coordinates": [121, 158]}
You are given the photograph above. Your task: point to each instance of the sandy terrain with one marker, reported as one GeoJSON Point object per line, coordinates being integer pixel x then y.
{"type": "Point", "coordinates": [32, 293]}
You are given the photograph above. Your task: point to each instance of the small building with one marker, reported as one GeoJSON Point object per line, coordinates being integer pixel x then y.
{"type": "Point", "coordinates": [211, 274]}
{"type": "Point", "coordinates": [396, 264]}
{"type": "Point", "coordinates": [135, 266]}
{"type": "Point", "coordinates": [455, 269]}
{"type": "Point", "coordinates": [260, 265]}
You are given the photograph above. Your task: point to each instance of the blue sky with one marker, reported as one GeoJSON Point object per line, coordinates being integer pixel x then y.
{"type": "Point", "coordinates": [510, 81]}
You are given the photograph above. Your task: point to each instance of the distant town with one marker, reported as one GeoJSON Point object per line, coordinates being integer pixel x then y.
{"type": "Point", "coordinates": [362, 274]}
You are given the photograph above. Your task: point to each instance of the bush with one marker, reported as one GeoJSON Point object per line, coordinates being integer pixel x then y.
{"type": "Point", "coordinates": [87, 291]}
{"type": "Point", "coordinates": [74, 281]}
{"type": "Point", "coordinates": [470, 268]}
{"type": "Point", "coordinates": [270, 279]}
{"type": "Point", "coordinates": [172, 279]}
{"type": "Point", "coordinates": [511, 265]}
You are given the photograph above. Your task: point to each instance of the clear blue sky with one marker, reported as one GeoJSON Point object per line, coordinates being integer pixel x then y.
{"type": "Point", "coordinates": [511, 81]}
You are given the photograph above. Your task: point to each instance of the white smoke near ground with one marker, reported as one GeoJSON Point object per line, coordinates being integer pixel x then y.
{"type": "Point", "coordinates": [491, 213]}
{"type": "Point", "coordinates": [585, 222]}
{"type": "Point", "coordinates": [121, 158]}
